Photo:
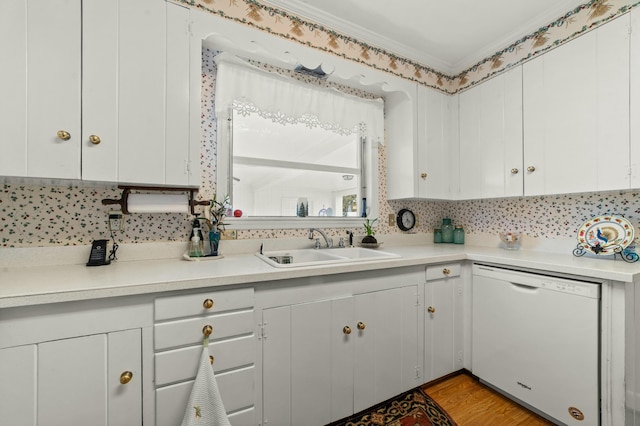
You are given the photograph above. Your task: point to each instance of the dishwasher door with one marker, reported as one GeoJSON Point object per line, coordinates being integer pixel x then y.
{"type": "Point", "coordinates": [536, 338]}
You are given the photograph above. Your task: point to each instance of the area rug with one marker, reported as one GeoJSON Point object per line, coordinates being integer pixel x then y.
{"type": "Point", "coordinates": [412, 408]}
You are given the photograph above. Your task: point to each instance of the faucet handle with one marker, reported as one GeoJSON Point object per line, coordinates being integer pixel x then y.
{"type": "Point", "coordinates": [317, 245]}
{"type": "Point", "coordinates": [341, 242]}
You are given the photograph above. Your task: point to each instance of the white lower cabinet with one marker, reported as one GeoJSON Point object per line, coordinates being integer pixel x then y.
{"type": "Point", "coordinates": [325, 360]}
{"type": "Point", "coordinates": [58, 368]}
{"type": "Point", "coordinates": [443, 325]}
{"type": "Point", "coordinates": [181, 323]}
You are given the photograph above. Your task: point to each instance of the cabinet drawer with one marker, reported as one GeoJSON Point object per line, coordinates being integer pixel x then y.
{"type": "Point", "coordinates": [194, 304]}
{"type": "Point", "coordinates": [236, 389]}
{"type": "Point", "coordinates": [182, 364]}
{"type": "Point", "coordinates": [190, 331]}
{"type": "Point", "coordinates": [438, 272]}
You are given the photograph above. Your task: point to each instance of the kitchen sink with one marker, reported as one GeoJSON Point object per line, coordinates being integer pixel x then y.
{"type": "Point", "coordinates": [312, 257]}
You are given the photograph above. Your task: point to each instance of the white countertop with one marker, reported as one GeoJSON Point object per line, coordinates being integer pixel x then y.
{"type": "Point", "coordinates": [32, 285]}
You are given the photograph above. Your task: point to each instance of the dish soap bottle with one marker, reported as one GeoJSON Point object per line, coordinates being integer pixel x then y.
{"type": "Point", "coordinates": [447, 231]}
{"type": "Point", "coordinates": [196, 245]}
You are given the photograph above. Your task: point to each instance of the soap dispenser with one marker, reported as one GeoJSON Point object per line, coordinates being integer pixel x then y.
{"type": "Point", "coordinates": [196, 244]}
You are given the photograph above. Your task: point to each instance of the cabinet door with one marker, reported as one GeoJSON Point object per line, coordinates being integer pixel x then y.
{"type": "Point", "coordinates": [490, 146]}
{"type": "Point", "coordinates": [40, 87]}
{"type": "Point", "coordinates": [135, 92]}
{"type": "Point", "coordinates": [386, 352]}
{"type": "Point", "coordinates": [308, 363]}
{"type": "Point", "coordinates": [440, 327]}
{"type": "Point", "coordinates": [18, 370]}
{"type": "Point", "coordinates": [576, 114]}
{"type": "Point", "coordinates": [434, 141]}
{"type": "Point", "coordinates": [79, 380]}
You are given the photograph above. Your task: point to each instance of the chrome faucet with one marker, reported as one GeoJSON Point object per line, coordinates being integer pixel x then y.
{"type": "Point", "coordinates": [327, 240]}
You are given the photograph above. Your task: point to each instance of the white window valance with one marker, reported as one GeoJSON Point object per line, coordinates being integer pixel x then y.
{"type": "Point", "coordinates": [244, 87]}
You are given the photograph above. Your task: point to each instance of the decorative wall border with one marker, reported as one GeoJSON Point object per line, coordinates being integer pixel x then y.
{"type": "Point", "coordinates": [286, 25]}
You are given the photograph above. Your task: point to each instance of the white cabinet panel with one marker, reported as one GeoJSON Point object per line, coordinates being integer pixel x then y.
{"type": "Point", "coordinates": [40, 88]}
{"type": "Point", "coordinates": [18, 387]}
{"type": "Point", "coordinates": [100, 66]}
{"type": "Point", "coordinates": [576, 109]}
{"type": "Point", "coordinates": [124, 355]}
{"type": "Point", "coordinates": [443, 322]}
{"type": "Point", "coordinates": [72, 381]}
{"type": "Point", "coordinates": [276, 358]}
{"type": "Point", "coordinates": [490, 145]}
{"type": "Point", "coordinates": [434, 144]}
{"type": "Point", "coordinates": [311, 363]}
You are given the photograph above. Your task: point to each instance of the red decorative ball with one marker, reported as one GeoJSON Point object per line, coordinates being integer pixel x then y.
{"type": "Point", "coordinates": [237, 213]}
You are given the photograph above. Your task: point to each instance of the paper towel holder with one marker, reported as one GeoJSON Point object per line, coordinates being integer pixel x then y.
{"type": "Point", "coordinates": [126, 190]}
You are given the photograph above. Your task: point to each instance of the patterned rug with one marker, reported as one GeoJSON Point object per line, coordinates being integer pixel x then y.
{"type": "Point", "coordinates": [412, 408]}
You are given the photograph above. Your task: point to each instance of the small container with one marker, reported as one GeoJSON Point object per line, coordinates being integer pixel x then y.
{"type": "Point", "coordinates": [447, 231]}
{"type": "Point", "coordinates": [510, 240]}
{"type": "Point", "coordinates": [458, 235]}
{"type": "Point", "coordinates": [437, 235]}
{"type": "Point", "coordinates": [195, 248]}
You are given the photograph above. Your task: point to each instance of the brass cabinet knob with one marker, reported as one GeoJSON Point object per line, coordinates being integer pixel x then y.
{"type": "Point", "coordinates": [64, 135]}
{"type": "Point", "coordinates": [346, 329]}
{"type": "Point", "coordinates": [126, 377]}
{"type": "Point", "coordinates": [431, 310]}
{"type": "Point", "coordinates": [361, 325]}
{"type": "Point", "coordinates": [531, 169]}
{"type": "Point", "coordinates": [207, 330]}
{"type": "Point", "coordinates": [208, 303]}
{"type": "Point", "coordinates": [423, 175]}
{"type": "Point", "coordinates": [514, 171]}
{"type": "Point", "coordinates": [211, 359]}
{"type": "Point", "coordinates": [446, 271]}
{"type": "Point", "coordinates": [95, 139]}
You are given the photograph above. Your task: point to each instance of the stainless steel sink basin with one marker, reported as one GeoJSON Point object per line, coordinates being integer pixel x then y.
{"type": "Point", "coordinates": [312, 257]}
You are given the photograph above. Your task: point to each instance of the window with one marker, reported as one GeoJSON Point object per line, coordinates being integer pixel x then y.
{"type": "Point", "coordinates": [293, 155]}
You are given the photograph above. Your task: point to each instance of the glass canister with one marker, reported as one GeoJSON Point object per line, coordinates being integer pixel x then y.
{"type": "Point", "coordinates": [447, 231]}
{"type": "Point", "coordinates": [458, 234]}
{"type": "Point", "coordinates": [437, 235]}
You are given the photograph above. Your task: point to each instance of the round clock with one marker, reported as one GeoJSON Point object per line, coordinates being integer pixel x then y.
{"type": "Point", "coordinates": [406, 220]}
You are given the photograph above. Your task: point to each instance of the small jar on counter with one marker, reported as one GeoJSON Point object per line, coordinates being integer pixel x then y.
{"type": "Point", "coordinates": [447, 231]}
{"type": "Point", "coordinates": [437, 235]}
{"type": "Point", "coordinates": [458, 235]}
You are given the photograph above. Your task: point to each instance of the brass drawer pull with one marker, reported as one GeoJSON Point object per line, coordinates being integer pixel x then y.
{"type": "Point", "coordinates": [431, 310]}
{"type": "Point", "coordinates": [126, 377]}
{"type": "Point", "coordinates": [208, 303]}
{"type": "Point", "coordinates": [207, 330]}
{"type": "Point", "coordinates": [361, 325]}
{"type": "Point", "coordinates": [346, 329]}
{"type": "Point", "coordinates": [446, 271]}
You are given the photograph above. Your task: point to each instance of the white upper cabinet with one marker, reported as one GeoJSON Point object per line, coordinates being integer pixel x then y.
{"type": "Point", "coordinates": [576, 114]}
{"type": "Point", "coordinates": [635, 98]}
{"type": "Point", "coordinates": [435, 162]}
{"type": "Point", "coordinates": [112, 76]}
{"type": "Point", "coordinates": [40, 88]}
{"type": "Point", "coordinates": [418, 126]}
{"type": "Point", "coordinates": [490, 138]}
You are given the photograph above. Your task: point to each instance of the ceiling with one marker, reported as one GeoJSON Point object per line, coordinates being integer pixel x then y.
{"type": "Point", "coordinates": [447, 35]}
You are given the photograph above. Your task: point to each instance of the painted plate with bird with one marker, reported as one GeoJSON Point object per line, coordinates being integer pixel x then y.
{"type": "Point", "coordinates": [608, 234]}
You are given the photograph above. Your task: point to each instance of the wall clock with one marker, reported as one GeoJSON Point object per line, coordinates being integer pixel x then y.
{"type": "Point", "coordinates": [405, 219]}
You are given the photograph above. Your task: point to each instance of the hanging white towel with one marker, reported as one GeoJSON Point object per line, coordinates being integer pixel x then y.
{"type": "Point", "coordinates": [205, 406]}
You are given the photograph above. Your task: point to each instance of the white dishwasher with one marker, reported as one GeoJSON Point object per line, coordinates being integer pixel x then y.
{"type": "Point", "coordinates": [536, 338]}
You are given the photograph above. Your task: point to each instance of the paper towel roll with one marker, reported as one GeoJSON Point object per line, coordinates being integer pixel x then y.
{"type": "Point", "coordinates": [158, 203]}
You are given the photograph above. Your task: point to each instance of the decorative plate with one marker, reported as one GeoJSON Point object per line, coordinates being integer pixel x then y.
{"type": "Point", "coordinates": [608, 234]}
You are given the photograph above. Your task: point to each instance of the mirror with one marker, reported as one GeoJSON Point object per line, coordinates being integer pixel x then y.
{"type": "Point", "coordinates": [285, 169]}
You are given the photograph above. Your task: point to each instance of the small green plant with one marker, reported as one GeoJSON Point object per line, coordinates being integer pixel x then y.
{"type": "Point", "coordinates": [218, 210]}
{"type": "Point", "coordinates": [368, 226]}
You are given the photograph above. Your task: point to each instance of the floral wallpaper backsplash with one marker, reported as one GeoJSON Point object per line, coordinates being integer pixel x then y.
{"type": "Point", "coordinates": [72, 214]}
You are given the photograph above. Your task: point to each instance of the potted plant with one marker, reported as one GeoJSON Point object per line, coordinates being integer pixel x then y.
{"type": "Point", "coordinates": [218, 210]}
{"type": "Point", "coordinates": [368, 227]}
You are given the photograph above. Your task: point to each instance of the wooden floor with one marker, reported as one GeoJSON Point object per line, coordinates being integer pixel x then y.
{"type": "Point", "coordinates": [470, 403]}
